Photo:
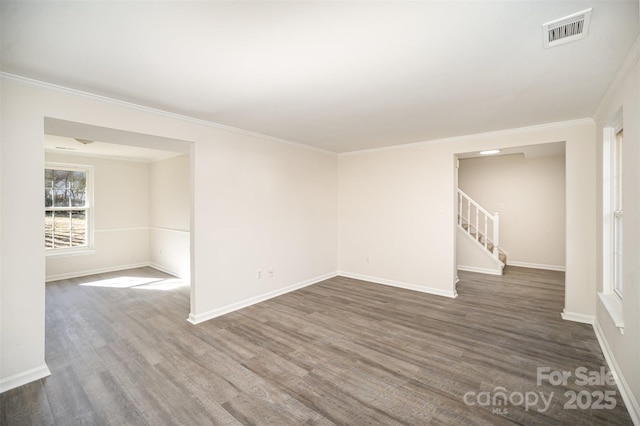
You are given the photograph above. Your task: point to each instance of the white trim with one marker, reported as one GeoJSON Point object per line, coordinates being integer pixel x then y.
{"type": "Point", "coordinates": [77, 274]}
{"type": "Point", "coordinates": [166, 270]}
{"type": "Point", "coordinates": [576, 317]}
{"type": "Point", "coordinates": [142, 228]}
{"type": "Point", "coordinates": [623, 386]}
{"type": "Point", "coordinates": [407, 286]}
{"type": "Point", "coordinates": [608, 137]}
{"type": "Point", "coordinates": [155, 111]}
{"type": "Point", "coordinates": [480, 270]}
{"type": "Point", "coordinates": [616, 122]}
{"type": "Point", "coordinates": [538, 266]}
{"type": "Point", "coordinates": [160, 228]}
{"type": "Point", "coordinates": [487, 135]}
{"type": "Point", "coordinates": [23, 378]}
{"type": "Point", "coordinates": [613, 305]}
{"type": "Point", "coordinates": [205, 316]}
{"type": "Point", "coordinates": [69, 252]}
{"type": "Point", "coordinates": [133, 228]}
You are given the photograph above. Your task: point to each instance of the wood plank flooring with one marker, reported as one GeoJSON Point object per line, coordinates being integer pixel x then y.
{"type": "Point", "coordinates": [339, 352]}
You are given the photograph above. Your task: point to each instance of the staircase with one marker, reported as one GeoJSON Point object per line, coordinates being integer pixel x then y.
{"type": "Point", "coordinates": [482, 227]}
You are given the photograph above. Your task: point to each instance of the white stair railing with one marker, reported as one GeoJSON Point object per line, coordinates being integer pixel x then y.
{"type": "Point", "coordinates": [479, 223]}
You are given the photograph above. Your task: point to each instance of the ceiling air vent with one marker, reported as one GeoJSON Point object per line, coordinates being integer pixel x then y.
{"type": "Point", "coordinates": [564, 30]}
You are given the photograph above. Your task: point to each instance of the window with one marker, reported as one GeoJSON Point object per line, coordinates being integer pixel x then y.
{"type": "Point", "coordinates": [617, 213]}
{"type": "Point", "coordinates": [67, 211]}
{"type": "Point", "coordinates": [612, 218]}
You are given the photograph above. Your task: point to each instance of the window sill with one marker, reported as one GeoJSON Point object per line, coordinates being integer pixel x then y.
{"type": "Point", "coordinates": [70, 252]}
{"type": "Point", "coordinates": [613, 305]}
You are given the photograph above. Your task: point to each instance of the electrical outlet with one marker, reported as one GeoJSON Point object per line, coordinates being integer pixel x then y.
{"type": "Point", "coordinates": [270, 272]}
{"type": "Point", "coordinates": [368, 260]}
{"type": "Point", "coordinates": [259, 274]}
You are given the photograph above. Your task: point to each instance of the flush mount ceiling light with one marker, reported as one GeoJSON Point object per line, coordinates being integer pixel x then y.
{"type": "Point", "coordinates": [564, 30]}
{"type": "Point", "coordinates": [84, 141]}
{"type": "Point", "coordinates": [489, 152]}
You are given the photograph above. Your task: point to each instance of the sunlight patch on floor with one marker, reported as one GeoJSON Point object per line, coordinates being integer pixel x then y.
{"type": "Point", "coordinates": [142, 283]}
{"type": "Point", "coordinates": [165, 285]}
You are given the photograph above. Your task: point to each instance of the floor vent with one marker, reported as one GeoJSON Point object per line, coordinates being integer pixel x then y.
{"type": "Point", "coordinates": [564, 30]}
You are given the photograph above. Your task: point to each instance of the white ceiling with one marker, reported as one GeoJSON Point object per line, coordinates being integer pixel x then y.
{"type": "Point", "coordinates": [341, 76]}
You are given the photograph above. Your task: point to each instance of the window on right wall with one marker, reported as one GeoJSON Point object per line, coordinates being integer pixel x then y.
{"type": "Point", "coordinates": [617, 213]}
{"type": "Point", "coordinates": [612, 220]}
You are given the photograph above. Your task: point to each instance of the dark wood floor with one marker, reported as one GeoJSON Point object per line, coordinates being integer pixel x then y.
{"type": "Point", "coordinates": [339, 352]}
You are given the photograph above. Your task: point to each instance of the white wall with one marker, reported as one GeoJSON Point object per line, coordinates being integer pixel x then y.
{"type": "Point", "coordinates": [169, 215]}
{"type": "Point", "coordinates": [623, 350]}
{"type": "Point", "coordinates": [257, 203]}
{"type": "Point", "coordinates": [121, 215]}
{"type": "Point", "coordinates": [529, 195]}
{"type": "Point", "coordinates": [262, 205]}
{"type": "Point", "coordinates": [397, 209]}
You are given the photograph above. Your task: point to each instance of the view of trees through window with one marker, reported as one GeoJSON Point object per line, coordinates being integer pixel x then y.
{"type": "Point", "coordinates": [66, 208]}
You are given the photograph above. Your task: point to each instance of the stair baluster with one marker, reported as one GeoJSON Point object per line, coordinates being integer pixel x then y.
{"type": "Point", "coordinates": [486, 225]}
{"type": "Point", "coordinates": [466, 222]}
{"type": "Point", "coordinates": [477, 228]}
{"type": "Point", "coordinates": [496, 234]}
{"type": "Point", "coordinates": [468, 217]}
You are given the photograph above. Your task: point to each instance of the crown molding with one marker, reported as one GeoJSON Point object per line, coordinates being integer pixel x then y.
{"type": "Point", "coordinates": [629, 62]}
{"type": "Point", "coordinates": [130, 105]}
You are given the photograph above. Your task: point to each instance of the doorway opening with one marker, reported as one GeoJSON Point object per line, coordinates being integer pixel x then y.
{"type": "Point", "coordinates": [117, 200]}
{"type": "Point", "coordinates": [521, 191]}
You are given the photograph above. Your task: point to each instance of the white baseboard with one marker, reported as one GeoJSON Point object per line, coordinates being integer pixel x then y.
{"type": "Point", "coordinates": [23, 378]}
{"type": "Point", "coordinates": [573, 316]}
{"type": "Point", "coordinates": [166, 270]}
{"type": "Point", "coordinates": [407, 286]}
{"type": "Point", "coordinates": [77, 274]}
{"type": "Point", "coordinates": [205, 316]}
{"type": "Point", "coordinates": [537, 266]}
{"type": "Point", "coordinates": [623, 386]}
{"type": "Point", "coordinates": [479, 270]}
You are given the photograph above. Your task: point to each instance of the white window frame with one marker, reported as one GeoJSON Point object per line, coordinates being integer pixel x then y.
{"type": "Point", "coordinates": [610, 296]}
{"type": "Point", "coordinates": [87, 248]}
{"type": "Point", "coordinates": [618, 212]}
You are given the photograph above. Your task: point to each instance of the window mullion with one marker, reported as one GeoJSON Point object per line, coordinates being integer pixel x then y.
{"type": "Point", "coordinates": [62, 209]}
{"type": "Point", "coordinates": [53, 229]}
